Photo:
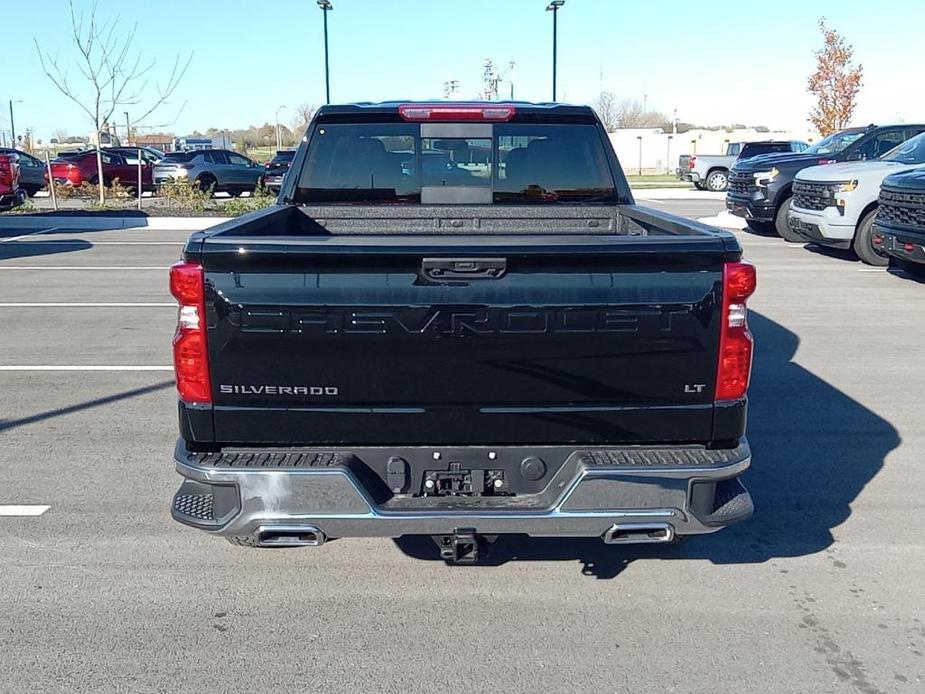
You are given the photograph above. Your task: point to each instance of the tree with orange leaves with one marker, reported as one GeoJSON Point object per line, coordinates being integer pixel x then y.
{"type": "Point", "coordinates": [835, 83]}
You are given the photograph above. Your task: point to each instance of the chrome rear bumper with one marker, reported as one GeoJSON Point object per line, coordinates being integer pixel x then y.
{"type": "Point", "coordinates": [618, 499]}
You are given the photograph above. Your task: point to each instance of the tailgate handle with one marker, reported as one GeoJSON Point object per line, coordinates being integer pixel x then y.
{"type": "Point", "coordinates": [464, 268]}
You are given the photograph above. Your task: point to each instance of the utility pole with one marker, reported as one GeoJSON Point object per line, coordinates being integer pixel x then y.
{"type": "Point", "coordinates": [510, 69]}
{"type": "Point", "coordinates": [13, 125]}
{"type": "Point", "coordinates": [279, 138]}
{"type": "Point", "coordinates": [554, 8]}
{"type": "Point", "coordinates": [326, 7]}
{"type": "Point", "coordinates": [128, 129]}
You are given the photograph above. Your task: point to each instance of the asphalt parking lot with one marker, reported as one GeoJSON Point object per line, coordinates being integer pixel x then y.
{"type": "Point", "coordinates": [820, 592]}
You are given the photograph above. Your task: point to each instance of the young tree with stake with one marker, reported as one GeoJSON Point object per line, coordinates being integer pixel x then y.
{"type": "Point", "coordinates": [113, 75]}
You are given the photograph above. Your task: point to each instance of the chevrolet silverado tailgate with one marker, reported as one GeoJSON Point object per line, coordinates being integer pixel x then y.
{"type": "Point", "coordinates": [439, 340]}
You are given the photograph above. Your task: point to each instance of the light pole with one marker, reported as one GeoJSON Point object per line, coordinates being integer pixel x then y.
{"type": "Point", "coordinates": [279, 139]}
{"type": "Point", "coordinates": [326, 7]}
{"type": "Point", "coordinates": [554, 8]}
{"type": "Point", "coordinates": [12, 123]}
{"type": "Point", "coordinates": [128, 129]}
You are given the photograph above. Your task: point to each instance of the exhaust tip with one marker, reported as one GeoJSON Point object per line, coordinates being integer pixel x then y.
{"type": "Point", "coordinates": [638, 533]}
{"type": "Point", "coordinates": [289, 536]}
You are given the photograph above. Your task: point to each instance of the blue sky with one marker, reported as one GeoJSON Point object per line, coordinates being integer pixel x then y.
{"type": "Point", "coordinates": [720, 61]}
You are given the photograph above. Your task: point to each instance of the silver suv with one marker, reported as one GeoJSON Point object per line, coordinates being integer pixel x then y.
{"type": "Point", "coordinates": [215, 169]}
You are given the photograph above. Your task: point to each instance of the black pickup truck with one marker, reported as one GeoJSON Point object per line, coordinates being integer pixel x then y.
{"type": "Point", "coordinates": [501, 344]}
{"type": "Point", "coordinates": [899, 228]}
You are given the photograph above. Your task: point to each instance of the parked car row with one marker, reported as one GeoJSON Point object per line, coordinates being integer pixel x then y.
{"type": "Point", "coordinates": [861, 189]}
{"type": "Point", "coordinates": [711, 172]}
{"type": "Point", "coordinates": [217, 170]}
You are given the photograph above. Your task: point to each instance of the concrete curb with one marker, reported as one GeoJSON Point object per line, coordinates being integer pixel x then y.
{"type": "Point", "coordinates": [103, 222]}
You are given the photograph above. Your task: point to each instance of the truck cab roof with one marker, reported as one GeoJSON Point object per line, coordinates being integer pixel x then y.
{"type": "Point", "coordinates": [393, 108]}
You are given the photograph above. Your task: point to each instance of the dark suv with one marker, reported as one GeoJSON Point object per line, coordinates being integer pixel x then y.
{"type": "Point", "coordinates": [899, 229]}
{"type": "Point", "coordinates": [760, 187]}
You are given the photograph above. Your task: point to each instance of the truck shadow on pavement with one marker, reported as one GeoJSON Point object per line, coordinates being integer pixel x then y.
{"type": "Point", "coordinates": [814, 450]}
{"type": "Point", "coordinates": [7, 424]}
{"type": "Point", "coordinates": [13, 250]}
{"type": "Point", "coordinates": [833, 253]}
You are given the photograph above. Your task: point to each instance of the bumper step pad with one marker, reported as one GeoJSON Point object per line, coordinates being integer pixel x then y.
{"type": "Point", "coordinates": [198, 506]}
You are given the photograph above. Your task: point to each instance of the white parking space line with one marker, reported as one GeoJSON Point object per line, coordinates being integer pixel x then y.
{"type": "Point", "coordinates": [74, 242]}
{"type": "Point", "coordinates": [52, 367]}
{"type": "Point", "coordinates": [872, 269]}
{"type": "Point", "coordinates": [31, 233]}
{"type": "Point", "coordinates": [85, 267]}
{"type": "Point", "coordinates": [23, 510]}
{"type": "Point", "coordinates": [48, 304]}
{"type": "Point", "coordinates": [800, 268]}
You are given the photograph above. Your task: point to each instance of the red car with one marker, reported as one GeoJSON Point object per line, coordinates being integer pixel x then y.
{"type": "Point", "coordinates": [76, 168]}
{"type": "Point", "coordinates": [11, 195]}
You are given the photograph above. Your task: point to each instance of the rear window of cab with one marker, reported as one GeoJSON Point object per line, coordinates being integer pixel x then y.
{"type": "Point", "coordinates": [508, 163]}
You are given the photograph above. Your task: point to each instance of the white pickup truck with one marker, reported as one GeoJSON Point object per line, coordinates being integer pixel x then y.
{"type": "Point", "coordinates": [711, 171]}
{"type": "Point", "coordinates": [835, 204]}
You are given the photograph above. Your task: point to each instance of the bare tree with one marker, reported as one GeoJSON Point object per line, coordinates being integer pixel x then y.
{"type": "Point", "coordinates": [114, 75]}
{"type": "Point", "coordinates": [606, 106]}
{"type": "Point", "coordinates": [303, 116]}
{"type": "Point", "coordinates": [631, 113]}
{"type": "Point", "coordinates": [835, 83]}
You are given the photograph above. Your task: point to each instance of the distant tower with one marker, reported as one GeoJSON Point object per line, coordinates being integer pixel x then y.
{"type": "Point", "coordinates": [490, 81]}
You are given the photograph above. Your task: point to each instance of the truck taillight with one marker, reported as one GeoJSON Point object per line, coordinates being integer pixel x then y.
{"type": "Point", "coordinates": [735, 340]}
{"type": "Point", "coordinates": [691, 162]}
{"type": "Point", "coordinates": [190, 353]}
